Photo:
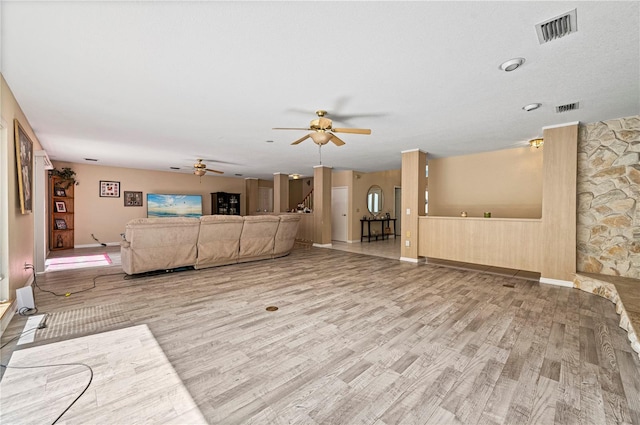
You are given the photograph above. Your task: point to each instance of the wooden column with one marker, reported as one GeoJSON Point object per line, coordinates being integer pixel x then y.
{"type": "Point", "coordinates": [322, 206]}
{"type": "Point", "coordinates": [414, 185]}
{"type": "Point", "coordinates": [251, 186]}
{"type": "Point", "coordinates": [280, 192]}
{"type": "Point", "coordinates": [559, 177]}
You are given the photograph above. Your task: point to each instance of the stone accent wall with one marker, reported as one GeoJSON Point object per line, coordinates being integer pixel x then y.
{"type": "Point", "coordinates": [608, 222]}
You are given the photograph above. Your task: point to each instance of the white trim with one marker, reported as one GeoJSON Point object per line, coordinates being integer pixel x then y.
{"type": "Point", "coordinates": [561, 125]}
{"type": "Point", "coordinates": [413, 150]}
{"type": "Point", "coordinates": [322, 245]}
{"type": "Point", "coordinates": [556, 282]}
{"type": "Point", "coordinates": [409, 260]}
{"type": "Point", "coordinates": [354, 241]}
{"type": "Point", "coordinates": [322, 166]}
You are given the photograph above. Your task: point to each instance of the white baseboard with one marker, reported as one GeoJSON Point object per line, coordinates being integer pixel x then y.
{"type": "Point", "coordinates": [556, 282]}
{"type": "Point", "coordinates": [409, 260]}
{"type": "Point", "coordinates": [322, 245]}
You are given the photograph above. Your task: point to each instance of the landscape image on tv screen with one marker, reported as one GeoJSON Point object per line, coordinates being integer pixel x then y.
{"type": "Point", "coordinates": [174, 205]}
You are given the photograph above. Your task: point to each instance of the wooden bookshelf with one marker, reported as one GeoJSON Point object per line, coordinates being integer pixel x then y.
{"type": "Point", "coordinates": [61, 214]}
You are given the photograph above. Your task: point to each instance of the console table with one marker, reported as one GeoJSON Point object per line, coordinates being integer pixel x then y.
{"type": "Point", "coordinates": [384, 223]}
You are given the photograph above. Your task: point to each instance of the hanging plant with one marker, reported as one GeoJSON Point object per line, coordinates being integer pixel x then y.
{"type": "Point", "coordinates": [67, 177]}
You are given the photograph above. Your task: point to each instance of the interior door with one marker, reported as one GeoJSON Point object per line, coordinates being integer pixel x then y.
{"type": "Point", "coordinates": [339, 213]}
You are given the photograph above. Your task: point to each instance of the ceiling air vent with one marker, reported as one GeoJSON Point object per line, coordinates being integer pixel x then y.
{"type": "Point", "coordinates": [568, 107]}
{"type": "Point", "coordinates": [557, 27]}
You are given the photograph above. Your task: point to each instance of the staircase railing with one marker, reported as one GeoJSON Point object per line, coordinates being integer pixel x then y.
{"type": "Point", "coordinates": [307, 202]}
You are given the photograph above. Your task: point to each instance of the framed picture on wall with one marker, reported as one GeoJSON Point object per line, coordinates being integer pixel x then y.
{"type": "Point", "coordinates": [24, 166]}
{"type": "Point", "coordinates": [109, 189]}
{"type": "Point", "coordinates": [132, 199]}
{"type": "Point", "coordinates": [61, 207]}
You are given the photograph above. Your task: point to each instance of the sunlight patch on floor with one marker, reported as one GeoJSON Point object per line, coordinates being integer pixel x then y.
{"type": "Point", "coordinates": [77, 262]}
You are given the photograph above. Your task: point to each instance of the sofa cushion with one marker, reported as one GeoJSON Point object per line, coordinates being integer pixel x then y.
{"type": "Point", "coordinates": [258, 233]}
{"type": "Point", "coordinates": [219, 240]}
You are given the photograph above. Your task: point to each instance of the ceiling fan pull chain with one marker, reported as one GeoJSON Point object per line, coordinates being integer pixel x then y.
{"type": "Point", "coordinates": [320, 153]}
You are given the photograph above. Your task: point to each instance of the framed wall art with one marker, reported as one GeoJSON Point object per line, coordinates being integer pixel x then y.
{"type": "Point", "coordinates": [109, 189]}
{"type": "Point", "coordinates": [61, 207]}
{"type": "Point", "coordinates": [132, 199]}
{"type": "Point", "coordinates": [24, 166]}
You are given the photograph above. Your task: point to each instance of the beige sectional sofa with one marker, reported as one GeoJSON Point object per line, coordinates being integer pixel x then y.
{"type": "Point", "coordinates": [212, 240]}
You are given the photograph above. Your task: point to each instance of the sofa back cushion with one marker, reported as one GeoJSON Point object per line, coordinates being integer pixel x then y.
{"type": "Point", "coordinates": [258, 234]}
{"type": "Point", "coordinates": [219, 239]}
{"type": "Point", "coordinates": [286, 234]}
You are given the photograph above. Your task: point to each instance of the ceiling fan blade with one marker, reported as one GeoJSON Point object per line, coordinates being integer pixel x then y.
{"type": "Point", "coordinates": [352, 130]}
{"type": "Point", "coordinates": [214, 171]}
{"type": "Point", "coordinates": [336, 140]}
{"type": "Point", "coordinates": [302, 139]}
{"type": "Point", "coordinates": [290, 128]}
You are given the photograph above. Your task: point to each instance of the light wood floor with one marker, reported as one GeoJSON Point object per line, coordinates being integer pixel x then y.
{"type": "Point", "coordinates": [362, 339]}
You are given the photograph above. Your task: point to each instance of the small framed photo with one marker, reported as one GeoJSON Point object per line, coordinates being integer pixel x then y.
{"type": "Point", "coordinates": [61, 224]}
{"type": "Point", "coordinates": [58, 191]}
{"type": "Point", "coordinates": [109, 189]}
{"type": "Point", "coordinates": [61, 207]}
{"type": "Point", "coordinates": [132, 199]}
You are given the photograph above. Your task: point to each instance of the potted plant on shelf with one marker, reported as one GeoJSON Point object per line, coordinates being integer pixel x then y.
{"type": "Point", "coordinates": [67, 177]}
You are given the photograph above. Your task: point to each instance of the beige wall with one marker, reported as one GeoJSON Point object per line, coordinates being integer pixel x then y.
{"type": "Point", "coordinates": [387, 180]}
{"type": "Point", "coordinates": [107, 217]}
{"type": "Point", "coordinates": [16, 246]}
{"type": "Point", "coordinates": [508, 183]}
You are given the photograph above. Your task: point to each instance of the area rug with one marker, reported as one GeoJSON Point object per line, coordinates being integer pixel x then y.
{"type": "Point", "coordinates": [77, 322]}
{"type": "Point", "coordinates": [77, 262]}
{"type": "Point", "coordinates": [132, 382]}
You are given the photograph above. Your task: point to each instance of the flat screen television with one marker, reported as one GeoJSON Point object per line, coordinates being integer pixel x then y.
{"type": "Point", "coordinates": [174, 205]}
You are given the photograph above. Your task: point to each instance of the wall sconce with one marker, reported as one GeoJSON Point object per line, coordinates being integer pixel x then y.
{"type": "Point", "coordinates": [536, 143]}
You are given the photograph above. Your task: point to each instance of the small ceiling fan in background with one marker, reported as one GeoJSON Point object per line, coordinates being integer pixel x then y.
{"type": "Point", "coordinates": [200, 169]}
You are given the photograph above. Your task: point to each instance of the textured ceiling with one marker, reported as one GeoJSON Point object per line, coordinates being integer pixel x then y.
{"type": "Point", "coordinates": [153, 85]}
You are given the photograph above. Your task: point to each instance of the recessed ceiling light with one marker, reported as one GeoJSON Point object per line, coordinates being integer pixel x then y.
{"type": "Point", "coordinates": [174, 168]}
{"type": "Point", "coordinates": [238, 174]}
{"type": "Point", "coordinates": [269, 141]}
{"type": "Point", "coordinates": [532, 106]}
{"type": "Point", "coordinates": [91, 159]}
{"type": "Point", "coordinates": [512, 64]}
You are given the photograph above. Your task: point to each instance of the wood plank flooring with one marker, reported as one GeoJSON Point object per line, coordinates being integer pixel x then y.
{"type": "Point", "coordinates": [127, 371]}
{"type": "Point", "coordinates": [361, 339]}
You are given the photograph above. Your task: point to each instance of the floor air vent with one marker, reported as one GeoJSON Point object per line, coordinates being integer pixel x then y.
{"type": "Point", "coordinates": [568, 107]}
{"type": "Point", "coordinates": [557, 27]}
